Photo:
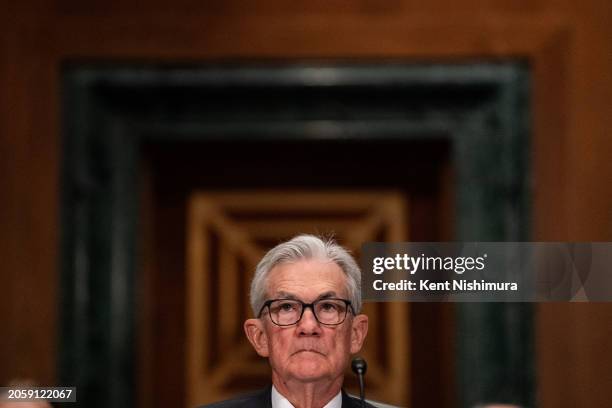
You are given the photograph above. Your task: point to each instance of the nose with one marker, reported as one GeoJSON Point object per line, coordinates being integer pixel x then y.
{"type": "Point", "coordinates": [308, 325]}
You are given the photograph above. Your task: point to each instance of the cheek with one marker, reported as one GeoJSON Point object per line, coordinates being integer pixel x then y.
{"type": "Point", "coordinates": [340, 346]}
{"type": "Point", "coordinates": [280, 346]}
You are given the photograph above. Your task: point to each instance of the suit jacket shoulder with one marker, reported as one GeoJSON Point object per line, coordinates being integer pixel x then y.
{"type": "Point", "coordinates": [352, 402]}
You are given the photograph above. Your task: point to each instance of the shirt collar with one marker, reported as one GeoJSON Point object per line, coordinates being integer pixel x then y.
{"type": "Point", "coordinates": [278, 401]}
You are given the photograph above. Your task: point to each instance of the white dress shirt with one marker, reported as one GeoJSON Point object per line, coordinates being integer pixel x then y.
{"type": "Point", "coordinates": [278, 401]}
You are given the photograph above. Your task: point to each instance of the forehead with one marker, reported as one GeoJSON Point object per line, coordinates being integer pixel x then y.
{"type": "Point", "coordinates": [307, 279]}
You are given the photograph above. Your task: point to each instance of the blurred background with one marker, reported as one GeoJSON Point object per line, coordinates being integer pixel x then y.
{"type": "Point", "coordinates": [150, 153]}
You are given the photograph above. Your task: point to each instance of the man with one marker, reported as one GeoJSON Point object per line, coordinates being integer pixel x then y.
{"type": "Point", "coordinates": [22, 384]}
{"type": "Point", "coordinates": [25, 404]}
{"type": "Point", "coordinates": [306, 298]}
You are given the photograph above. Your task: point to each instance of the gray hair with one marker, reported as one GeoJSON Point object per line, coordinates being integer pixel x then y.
{"type": "Point", "coordinates": [302, 247]}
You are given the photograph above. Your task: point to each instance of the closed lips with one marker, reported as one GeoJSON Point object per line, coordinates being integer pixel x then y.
{"type": "Point", "coordinates": [308, 351]}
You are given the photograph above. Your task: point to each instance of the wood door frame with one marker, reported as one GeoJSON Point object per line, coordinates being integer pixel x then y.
{"type": "Point", "coordinates": [108, 115]}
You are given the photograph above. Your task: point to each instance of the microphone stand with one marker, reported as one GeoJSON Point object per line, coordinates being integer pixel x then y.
{"type": "Point", "coordinates": [359, 367]}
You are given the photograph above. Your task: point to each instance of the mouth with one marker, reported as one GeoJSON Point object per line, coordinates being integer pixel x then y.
{"type": "Point", "coordinates": [308, 351]}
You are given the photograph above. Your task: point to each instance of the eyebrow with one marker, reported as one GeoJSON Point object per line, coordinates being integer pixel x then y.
{"type": "Point", "coordinates": [289, 295]}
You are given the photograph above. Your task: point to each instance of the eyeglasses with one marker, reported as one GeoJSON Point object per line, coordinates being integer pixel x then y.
{"type": "Point", "coordinates": [287, 312]}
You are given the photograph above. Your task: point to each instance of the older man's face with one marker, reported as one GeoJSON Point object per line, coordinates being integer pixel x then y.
{"type": "Point", "coordinates": [309, 351]}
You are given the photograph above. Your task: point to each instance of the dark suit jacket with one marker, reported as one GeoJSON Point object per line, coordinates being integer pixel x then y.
{"type": "Point", "coordinates": [263, 399]}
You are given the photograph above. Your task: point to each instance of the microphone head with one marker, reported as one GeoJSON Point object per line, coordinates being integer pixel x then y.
{"type": "Point", "coordinates": [359, 366]}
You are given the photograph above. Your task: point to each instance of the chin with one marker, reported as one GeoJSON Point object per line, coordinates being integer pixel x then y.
{"type": "Point", "coordinates": [306, 375]}
{"type": "Point", "coordinates": [309, 369]}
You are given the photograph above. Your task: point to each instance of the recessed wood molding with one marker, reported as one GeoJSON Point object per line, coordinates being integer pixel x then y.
{"type": "Point", "coordinates": [228, 234]}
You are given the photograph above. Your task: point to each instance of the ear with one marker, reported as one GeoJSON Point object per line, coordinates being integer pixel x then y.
{"type": "Point", "coordinates": [257, 336]}
{"type": "Point", "coordinates": [359, 331]}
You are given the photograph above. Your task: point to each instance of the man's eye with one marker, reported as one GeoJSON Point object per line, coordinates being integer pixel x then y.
{"type": "Point", "coordinates": [329, 307]}
{"type": "Point", "coordinates": [286, 307]}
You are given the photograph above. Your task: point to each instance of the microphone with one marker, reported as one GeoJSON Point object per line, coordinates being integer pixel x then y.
{"type": "Point", "coordinates": [359, 367]}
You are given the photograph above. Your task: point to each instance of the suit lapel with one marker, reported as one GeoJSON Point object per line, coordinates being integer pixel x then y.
{"type": "Point", "coordinates": [348, 402]}
{"type": "Point", "coordinates": [263, 399]}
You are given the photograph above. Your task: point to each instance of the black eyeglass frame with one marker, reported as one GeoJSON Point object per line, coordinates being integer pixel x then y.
{"type": "Point", "coordinates": [267, 303]}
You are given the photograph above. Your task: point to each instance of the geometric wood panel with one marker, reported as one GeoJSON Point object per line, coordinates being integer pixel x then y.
{"type": "Point", "coordinates": [228, 233]}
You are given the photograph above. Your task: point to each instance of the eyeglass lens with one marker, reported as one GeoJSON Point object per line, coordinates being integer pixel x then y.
{"type": "Point", "coordinates": [327, 311]}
